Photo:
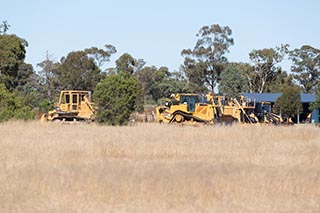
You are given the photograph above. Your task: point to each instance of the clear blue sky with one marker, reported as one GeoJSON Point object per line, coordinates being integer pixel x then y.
{"type": "Point", "coordinates": [157, 31]}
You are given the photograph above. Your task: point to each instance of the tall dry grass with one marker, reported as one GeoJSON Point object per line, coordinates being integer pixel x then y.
{"type": "Point", "coordinates": [158, 168]}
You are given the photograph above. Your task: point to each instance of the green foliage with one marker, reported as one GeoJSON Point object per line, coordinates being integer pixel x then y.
{"type": "Point", "coordinates": [195, 72]}
{"type": "Point", "coordinates": [13, 106]}
{"type": "Point", "coordinates": [116, 99]}
{"type": "Point", "coordinates": [24, 77]}
{"type": "Point", "coordinates": [14, 72]}
{"type": "Point", "coordinates": [265, 70]}
{"type": "Point", "coordinates": [37, 100]}
{"type": "Point", "coordinates": [278, 81]}
{"type": "Point", "coordinates": [101, 56]}
{"type": "Point", "coordinates": [288, 104]}
{"type": "Point", "coordinates": [204, 63]}
{"type": "Point", "coordinates": [159, 83]}
{"type": "Point", "coordinates": [306, 67]}
{"type": "Point", "coordinates": [45, 105]}
{"type": "Point", "coordinates": [233, 81]}
{"type": "Point", "coordinates": [126, 63]}
{"type": "Point", "coordinates": [316, 104]}
{"type": "Point", "coordinates": [79, 72]}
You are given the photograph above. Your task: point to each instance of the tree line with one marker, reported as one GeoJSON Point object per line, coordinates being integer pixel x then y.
{"type": "Point", "coordinates": [132, 84]}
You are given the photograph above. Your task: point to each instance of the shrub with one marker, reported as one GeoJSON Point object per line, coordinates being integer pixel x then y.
{"type": "Point", "coordinates": [116, 99]}
{"type": "Point", "coordinates": [289, 104]}
{"type": "Point", "coordinates": [13, 106]}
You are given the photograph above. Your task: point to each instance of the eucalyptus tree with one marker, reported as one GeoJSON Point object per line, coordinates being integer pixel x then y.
{"type": "Point", "coordinates": [129, 64]}
{"type": "Point", "coordinates": [99, 55]}
{"type": "Point", "coordinates": [306, 67]}
{"type": "Point", "coordinates": [266, 67]}
{"type": "Point", "coordinates": [78, 71]}
{"type": "Point", "coordinates": [204, 63]}
{"type": "Point", "coordinates": [83, 69]}
{"type": "Point", "coordinates": [49, 76]}
{"type": "Point", "coordinates": [157, 83]}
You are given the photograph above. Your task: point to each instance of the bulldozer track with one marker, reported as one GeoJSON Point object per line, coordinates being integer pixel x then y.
{"type": "Point", "coordinates": [186, 117]}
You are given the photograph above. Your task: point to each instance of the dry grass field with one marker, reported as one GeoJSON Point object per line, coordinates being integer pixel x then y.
{"type": "Point", "coordinates": [158, 168]}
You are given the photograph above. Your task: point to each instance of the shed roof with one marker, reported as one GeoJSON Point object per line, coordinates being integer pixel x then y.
{"type": "Point", "coordinates": [272, 97]}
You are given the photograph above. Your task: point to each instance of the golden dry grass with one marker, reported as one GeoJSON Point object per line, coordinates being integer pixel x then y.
{"type": "Point", "coordinates": [158, 168]}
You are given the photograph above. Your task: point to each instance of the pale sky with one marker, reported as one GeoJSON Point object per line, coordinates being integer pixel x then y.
{"type": "Point", "coordinates": [157, 31]}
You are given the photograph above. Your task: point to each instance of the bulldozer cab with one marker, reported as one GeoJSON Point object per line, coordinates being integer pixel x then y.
{"type": "Point", "coordinates": [70, 100]}
{"type": "Point", "coordinates": [190, 100]}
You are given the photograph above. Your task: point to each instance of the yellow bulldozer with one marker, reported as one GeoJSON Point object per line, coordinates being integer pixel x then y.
{"type": "Point", "coordinates": [73, 105]}
{"type": "Point", "coordinates": [195, 108]}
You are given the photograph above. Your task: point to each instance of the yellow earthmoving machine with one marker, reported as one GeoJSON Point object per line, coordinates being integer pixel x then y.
{"type": "Point", "coordinates": [235, 110]}
{"type": "Point", "coordinates": [73, 105]}
{"type": "Point", "coordinates": [186, 108]}
{"type": "Point", "coordinates": [195, 108]}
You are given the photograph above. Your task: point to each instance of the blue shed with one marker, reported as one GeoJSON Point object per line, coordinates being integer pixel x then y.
{"type": "Point", "coordinates": [306, 99]}
{"type": "Point", "coordinates": [272, 97]}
